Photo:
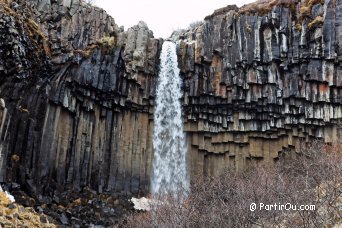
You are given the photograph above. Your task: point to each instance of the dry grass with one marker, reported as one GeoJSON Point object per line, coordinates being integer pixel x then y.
{"type": "Point", "coordinates": [21, 217]}
{"type": "Point", "coordinates": [31, 26]}
{"type": "Point", "coordinates": [18, 216]}
{"type": "Point", "coordinates": [15, 158]}
{"type": "Point", "coordinates": [88, 51]}
{"type": "Point", "coordinates": [107, 41]}
{"type": "Point", "coordinates": [4, 201]}
{"type": "Point", "coordinates": [34, 29]}
{"type": "Point", "coordinates": [6, 1]}
{"type": "Point", "coordinates": [107, 44]}
{"type": "Point", "coordinates": [248, 27]}
{"type": "Point", "coordinates": [24, 110]}
{"type": "Point", "coordinates": [317, 21]}
{"type": "Point", "coordinates": [9, 11]}
{"type": "Point", "coordinates": [313, 178]}
{"type": "Point", "coordinates": [314, 2]}
{"type": "Point", "coordinates": [306, 8]}
{"type": "Point", "coordinates": [305, 12]}
{"type": "Point", "coordinates": [263, 7]}
{"type": "Point", "coordinates": [299, 27]}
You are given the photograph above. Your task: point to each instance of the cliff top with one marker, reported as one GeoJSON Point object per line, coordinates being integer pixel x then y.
{"type": "Point", "coordinates": [265, 6]}
{"type": "Point", "coordinates": [222, 10]}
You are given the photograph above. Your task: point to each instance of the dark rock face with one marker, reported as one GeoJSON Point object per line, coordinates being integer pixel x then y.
{"type": "Point", "coordinates": [76, 106]}
{"type": "Point", "coordinates": [77, 98]}
{"type": "Point", "coordinates": [255, 85]}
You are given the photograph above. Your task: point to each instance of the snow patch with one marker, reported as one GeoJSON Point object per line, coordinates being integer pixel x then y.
{"type": "Point", "coordinates": [142, 204]}
{"type": "Point", "coordinates": [8, 195]}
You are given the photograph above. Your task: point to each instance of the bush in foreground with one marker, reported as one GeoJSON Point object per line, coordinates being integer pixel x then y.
{"type": "Point", "coordinates": [313, 178]}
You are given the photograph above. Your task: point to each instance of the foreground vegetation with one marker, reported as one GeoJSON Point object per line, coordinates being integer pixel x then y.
{"type": "Point", "coordinates": [312, 178]}
{"type": "Point", "coordinates": [15, 215]}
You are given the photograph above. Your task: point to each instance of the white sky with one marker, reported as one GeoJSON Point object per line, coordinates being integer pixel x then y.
{"type": "Point", "coordinates": [161, 16]}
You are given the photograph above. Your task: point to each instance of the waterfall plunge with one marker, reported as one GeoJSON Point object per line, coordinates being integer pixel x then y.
{"type": "Point", "coordinates": [169, 163]}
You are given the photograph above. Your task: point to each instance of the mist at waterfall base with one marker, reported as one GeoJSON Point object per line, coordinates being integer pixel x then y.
{"type": "Point", "coordinates": [169, 174]}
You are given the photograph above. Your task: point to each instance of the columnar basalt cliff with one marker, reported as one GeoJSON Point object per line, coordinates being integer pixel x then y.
{"type": "Point", "coordinates": [77, 92]}
{"type": "Point", "coordinates": [77, 98]}
{"type": "Point", "coordinates": [261, 79]}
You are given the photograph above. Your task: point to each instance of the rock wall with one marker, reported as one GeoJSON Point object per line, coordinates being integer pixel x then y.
{"type": "Point", "coordinates": [77, 98]}
{"type": "Point", "coordinates": [261, 79]}
{"type": "Point", "coordinates": [77, 92]}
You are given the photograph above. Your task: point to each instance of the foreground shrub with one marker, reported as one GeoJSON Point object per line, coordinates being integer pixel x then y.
{"type": "Point", "coordinates": [312, 178]}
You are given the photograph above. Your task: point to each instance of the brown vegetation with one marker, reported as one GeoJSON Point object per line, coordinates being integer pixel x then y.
{"type": "Point", "coordinates": [318, 20]}
{"type": "Point", "coordinates": [312, 178]}
{"type": "Point", "coordinates": [4, 201]}
{"type": "Point", "coordinates": [21, 109]}
{"type": "Point", "coordinates": [15, 158]}
{"type": "Point", "coordinates": [263, 6]}
{"type": "Point", "coordinates": [221, 11]}
{"type": "Point", "coordinates": [88, 51]}
{"type": "Point", "coordinates": [107, 43]}
{"type": "Point", "coordinates": [34, 29]}
{"type": "Point", "coordinates": [14, 215]}
{"type": "Point", "coordinates": [305, 11]}
{"type": "Point", "coordinates": [34, 32]}
{"type": "Point", "coordinates": [306, 8]}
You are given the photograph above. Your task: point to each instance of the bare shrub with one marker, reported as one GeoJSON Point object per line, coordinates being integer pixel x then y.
{"type": "Point", "coordinates": [312, 178]}
{"type": "Point", "coordinates": [194, 25]}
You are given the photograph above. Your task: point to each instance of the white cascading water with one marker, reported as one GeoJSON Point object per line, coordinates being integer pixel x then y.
{"type": "Point", "coordinates": [169, 163]}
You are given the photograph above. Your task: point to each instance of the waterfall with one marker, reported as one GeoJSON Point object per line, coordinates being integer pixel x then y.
{"type": "Point", "coordinates": [169, 162]}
